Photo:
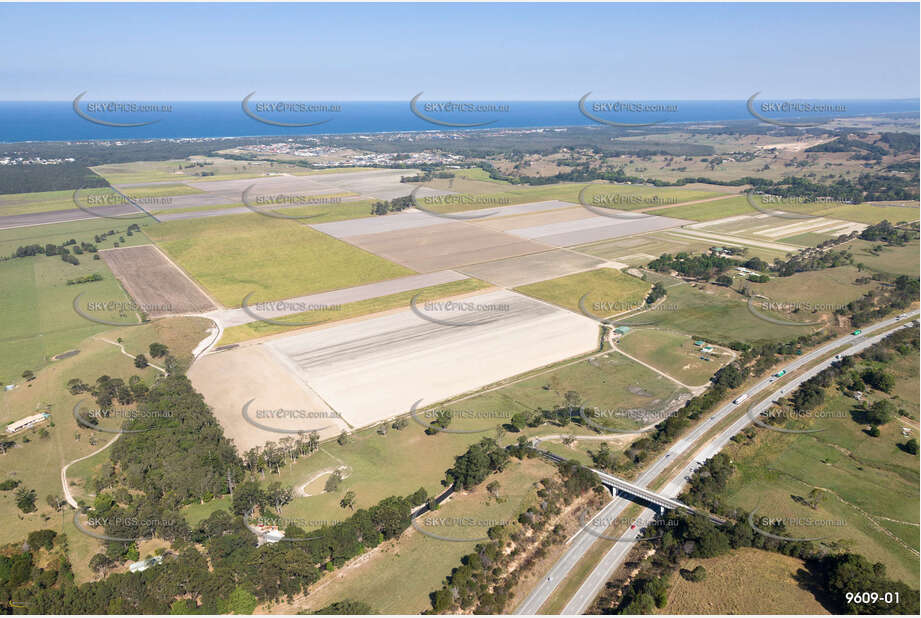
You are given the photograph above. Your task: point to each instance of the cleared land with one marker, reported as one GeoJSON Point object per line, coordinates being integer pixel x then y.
{"type": "Point", "coordinates": [155, 284]}
{"type": "Point", "coordinates": [822, 290]}
{"type": "Point", "coordinates": [870, 484]}
{"type": "Point", "coordinates": [608, 291]}
{"type": "Point", "coordinates": [383, 184]}
{"type": "Point", "coordinates": [235, 255]}
{"type": "Point", "coordinates": [673, 353]}
{"type": "Point", "coordinates": [279, 404]}
{"type": "Point", "coordinates": [399, 462]}
{"type": "Point", "coordinates": [398, 577]}
{"type": "Point", "coordinates": [640, 250]}
{"type": "Point", "coordinates": [492, 336]}
{"type": "Point", "coordinates": [714, 313]}
{"type": "Point", "coordinates": [745, 581]}
{"type": "Point", "coordinates": [39, 320]}
{"type": "Point", "coordinates": [194, 169]}
{"type": "Point", "coordinates": [895, 260]}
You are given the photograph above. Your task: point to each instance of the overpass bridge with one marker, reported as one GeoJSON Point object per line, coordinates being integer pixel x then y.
{"type": "Point", "coordinates": [634, 492]}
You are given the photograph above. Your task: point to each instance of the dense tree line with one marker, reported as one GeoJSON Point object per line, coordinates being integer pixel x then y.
{"type": "Point", "coordinates": [64, 248]}
{"type": "Point", "coordinates": [701, 266]}
{"type": "Point", "coordinates": [895, 295]}
{"type": "Point", "coordinates": [395, 205]}
{"type": "Point", "coordinates": [33, 178]}
{"type": "Point", "coordinates": [176, 430]}
{"type": "Point", "coordinates": [480, 460]}
{"type": "Point", "coordinates": [484, 580]}
{"type": "Point", "coordinates": [888, 233]}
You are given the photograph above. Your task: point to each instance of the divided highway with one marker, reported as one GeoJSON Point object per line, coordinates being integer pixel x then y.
{"type": "Point", "coordinates": [582, 542]}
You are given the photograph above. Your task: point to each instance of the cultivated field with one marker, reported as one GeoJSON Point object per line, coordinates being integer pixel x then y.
{"type": "Point", "coordinates": [444, 245]}
{"type": "Point", "coordinates": [516, 271]}
{"type": "Point", "coordinates": [234, 255]}
{"type": "Point", "coordinates": [193, 168]}
{"type": "Point", "coordinates": [155, 284]}
{"type": "Point", "coordinates": [253, 328]}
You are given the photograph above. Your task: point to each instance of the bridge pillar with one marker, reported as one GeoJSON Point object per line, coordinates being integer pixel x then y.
{"type": "Point", "coordinates": [613, 491]}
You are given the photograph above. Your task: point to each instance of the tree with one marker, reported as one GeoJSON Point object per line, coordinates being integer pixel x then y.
{"type": "Point", "coordinates": [725, 280]}
{"type": "Point", "coordinates": [572, 399]}
{"type": "Point", "coordinates": [880, 413]}
{"type": "Point", "coordinates": [878, 379]}
{"type": "Point", "coordinates": [332, 483]}
{"type": "Point", "coordinates": [911, 447]}
{"type": "Point", "coordinates": [493, 489]}
{"type": "Point", "coordinates": [55, 502]}
{"type": "Point", "coordinates": [25, 499]}
{"type": "Point", "coordinates": [348, 500]}
{"type": "Point", "coordinates": [241, 602]}
{"type": "Point", "coordinates": [28, 375]}
{"type": "Point", "coordinates": [100, 563]}
{"type": "Point", "coordinates": [343, 438]}
{"type": "Point", "coordinates": [157, 350]}
{"type": "Point", "coordinates": [140, 361]}
{"type": "Point", "coordinates": [519, 421]}
{"type": "Point", "coordinates": [247, 497]}
{"type": "Point", "coordinates": [816, 496]}
{"type": "Point", "coordinates": [657, 292]}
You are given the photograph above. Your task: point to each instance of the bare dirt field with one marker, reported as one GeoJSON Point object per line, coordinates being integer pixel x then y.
{"type": "Point", "coordinates": [154, 282]}
{"type": "Point", "coordinates": [515, 271]}
{"type": "Point", "coordinates": [381, 184]}
{"type": "Point", "coordinates": [593, 228]}
{"type": "Point", "coordinates": [569, 213]}
{"type": "Point", "coordinates": [443, 246]}
{"type": "Point", "coordinates": [281, 404]}
{"type": "Point", "coordinates": [374, 369]}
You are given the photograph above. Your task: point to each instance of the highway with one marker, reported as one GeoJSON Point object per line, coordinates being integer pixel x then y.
{"type": "Point", "coordinates": [583, 540]}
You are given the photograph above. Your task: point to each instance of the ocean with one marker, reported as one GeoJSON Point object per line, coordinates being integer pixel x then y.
{"type": "Point", "coordinates": [57, 121]}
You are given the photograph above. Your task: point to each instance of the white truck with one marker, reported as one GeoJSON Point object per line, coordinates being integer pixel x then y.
{"type": "Point", "coordinates": [740, 399]}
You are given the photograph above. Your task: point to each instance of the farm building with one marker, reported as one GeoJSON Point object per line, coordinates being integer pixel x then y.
{"type": "Point", "coordinates": [27, 422]}
{"type": "Point", "coordinates": [143, 565]}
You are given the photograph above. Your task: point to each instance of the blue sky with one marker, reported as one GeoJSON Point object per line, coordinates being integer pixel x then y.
{"type": "Point", "coordinates": [474, 51]}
